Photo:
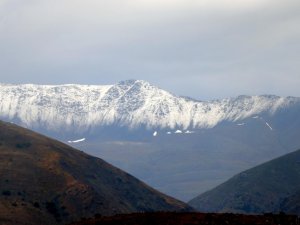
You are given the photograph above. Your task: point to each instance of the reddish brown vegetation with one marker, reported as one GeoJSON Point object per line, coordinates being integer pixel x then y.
{"type": "Point", "coordinates": [43, 181]}
{"type": "Point", "coordinates": [166, 218]}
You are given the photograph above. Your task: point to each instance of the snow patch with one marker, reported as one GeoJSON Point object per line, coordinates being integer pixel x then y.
{"type": "Point", "coordinates": [178, 132]}
{"type": "Point", "coordinates": [241, 124]}
{"type": "Point", "coordinates": [169, 132]}
{"type": "Point", "coordinates": [269, 126]}
{"type": "Point", "coordinates": [76, 141]}
{"type": "Point", "coordinates": [155, 134]}
{"type": "Point", "coordinates": [189, 132]}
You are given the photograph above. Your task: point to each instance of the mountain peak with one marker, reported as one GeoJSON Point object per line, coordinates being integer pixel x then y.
{"type": "Point", "coordinates": [132, 82]}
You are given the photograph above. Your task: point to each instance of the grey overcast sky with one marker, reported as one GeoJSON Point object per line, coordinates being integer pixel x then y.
{"type": "Point", "coordinates": [204, 49]}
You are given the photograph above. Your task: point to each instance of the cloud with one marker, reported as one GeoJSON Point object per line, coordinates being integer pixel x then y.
{"type": "Point", "coordinates": [202, 48]}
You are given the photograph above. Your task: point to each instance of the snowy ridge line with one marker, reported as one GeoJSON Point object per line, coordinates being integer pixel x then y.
{"type": "Point", "coordinates": [129, 103]}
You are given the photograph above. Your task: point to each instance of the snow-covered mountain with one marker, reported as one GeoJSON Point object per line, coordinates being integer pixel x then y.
{"type": "Point", "coordinates": [132, 103]}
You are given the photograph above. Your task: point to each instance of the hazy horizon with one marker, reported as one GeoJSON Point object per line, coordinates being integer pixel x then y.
{"type": "Point", "coordinates": [201, 49]}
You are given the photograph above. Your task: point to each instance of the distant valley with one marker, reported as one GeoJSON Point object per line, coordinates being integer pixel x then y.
{"type": "Point", "coordinates": [181, 146]}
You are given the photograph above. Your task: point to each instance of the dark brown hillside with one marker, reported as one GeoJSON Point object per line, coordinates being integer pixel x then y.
{"type": "Point", "coordinates": [167, 218]}
{"type": "Point", "coordinates": [273, 187]}
{"type": "Point", "coordinates": [43, 181]}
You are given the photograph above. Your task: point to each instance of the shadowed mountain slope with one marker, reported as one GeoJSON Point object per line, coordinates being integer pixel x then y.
{"type": "Point", "coordinates": [271, 187]}
{"type": "Point", "coordinates": [167, 218]}
{"type": "Point", "coordinates": [45, 182]}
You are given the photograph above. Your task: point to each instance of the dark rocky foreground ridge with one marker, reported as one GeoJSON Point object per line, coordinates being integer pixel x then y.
{"type": "Point", "coordinates": [192, 219]}
{"type": "Point", "coordinates": [43, 181]}
{"type": "Point", "coordinates": [270, 187]}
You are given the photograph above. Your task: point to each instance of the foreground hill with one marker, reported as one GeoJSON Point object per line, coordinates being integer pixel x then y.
{"type": "Point", "coordinates": [45, 182]}
{"type": "Point", "coordinates": [170, 142]}
{"type": "Point", "coordinates": [271, 187]}
{"type": "Point", "coordinates": [192, 219]}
